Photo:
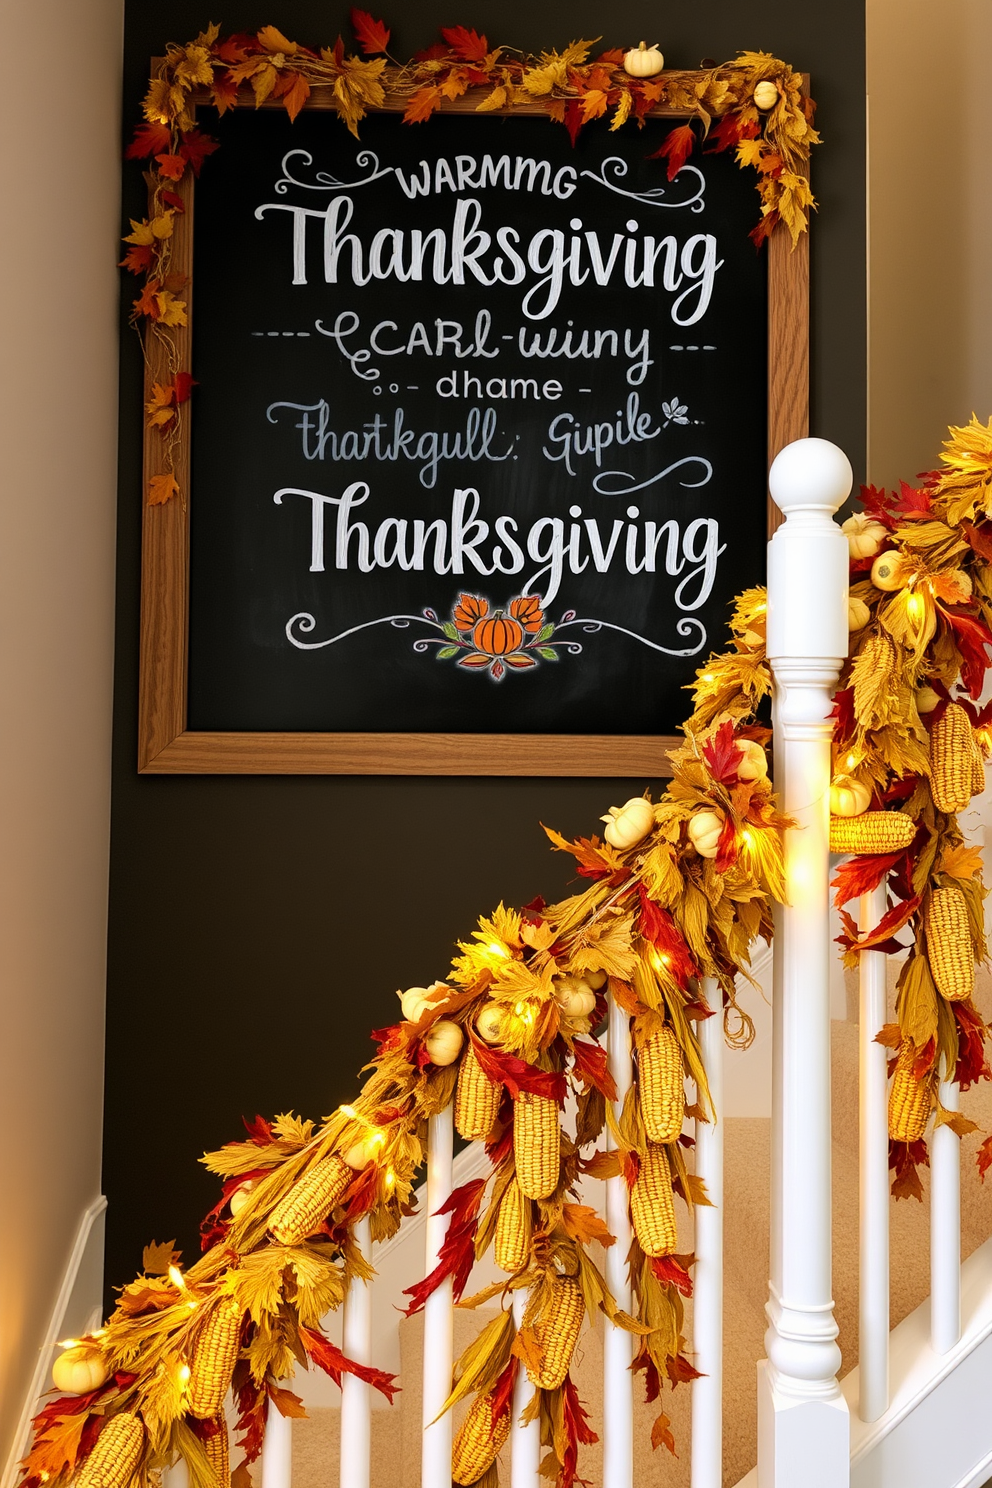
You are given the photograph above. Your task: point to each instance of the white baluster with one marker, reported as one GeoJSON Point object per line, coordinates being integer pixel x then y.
{"type": "Point", "coordinates": [435, 1458]}
{"type": "Point", "coordinates": [618, 1382]}
{"type": "Point", "coordinates": [356, 1395]}
{"type": "Point", "coordinates": [525, 1440]}
{"type": "Point", "coordinates": [277, 1450]}
{"type": "Point", "coordinates": [873, 1332]}
{"type": "Point", "coordinates": [803, 1424]}
{"type": "Point", "coordinates": [707, 1291]}
{"type": "Point", "coordinates": [945, 1230]}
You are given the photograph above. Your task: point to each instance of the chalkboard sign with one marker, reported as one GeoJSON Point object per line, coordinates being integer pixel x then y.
{"type": "Point", "coordinates": [478, 447]}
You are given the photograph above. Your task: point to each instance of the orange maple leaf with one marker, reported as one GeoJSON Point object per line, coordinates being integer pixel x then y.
{"type": "Point", "coordinates": [160, 407]}
{"type": "Point", "coordinates": [582, 1223]}
{"type": "Point", "coordinates": [147, 302]}
{"type": "Point", "coordinates": [162, 488]}
{"type": "Point", "coordinates": [171, 166]}
{"type": "Point", "coordinates": [296, 94]}
{"type": "Point", "coordinates": [139, 259]}
{"type": "Point", "coordinates": [273, 40]}
{"type": "Point", "coordinates": [593, 104]}
{"type": "Point", "coordinates": [423, 103]}
{"type": "Point", "coordinates": [676, 149]}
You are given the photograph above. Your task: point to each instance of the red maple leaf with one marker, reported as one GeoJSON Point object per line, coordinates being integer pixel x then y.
{"type": "Point", "coordinates": [843, 715]}
{"type": "Point", "coordinates": [658, 926]}
{"type": "Point", "coordinates": [138, 259]}
{"type": "Point", "coordinates": [171, 166]}
{"type": "Point", "coordinates": [764, 228]}
{"type": "Point", "coordinates": [860, 875]}
{"type": "Point", "coordinates": [467, 45]}
{"type": "Point", "coordinates": [373, 36]}
{"type": "Point", "coordinates": [971, 638]}
{"type": "Point", "coordinates": [984, 1158]}
{"type": "Point", "coordinates": [726, 850]}
{"type": "Point", "coordinates": [904, 1159]}
{"type": "Point", "coordinates": [676, 149]}
{"type": "Point", "coordinates": [195, 148]}
{"type": "Point", "coordinates": [911, 504]}
{"type": "Point", "coordinates": [979, 539]}
{"type": "Point", "coordinates": [670, 1270]}
{"type": "Point", "coordinates": [333, 1362]}
{"type": "Point", "coordinates": [517, 1076]}
{"type": "Point", "coordinates": [574, 119]}
{"type": "Point", "coordinates": [149, 139]}
{"type": "Point", "coordinates": [723, 755]}
{"type": "Point", "coordinates": [591, 1068]}
{"type": "Point", "coordinates": [577, 1430]}
{"type": "Point", "coordinates": [457, 1254]}
{"type": "Point", "coordinates": [680, 1371]}
{"type": "Point", "coordinates": [971, 1066]}
{"type": "Point", "coordinates": [259, 1130]}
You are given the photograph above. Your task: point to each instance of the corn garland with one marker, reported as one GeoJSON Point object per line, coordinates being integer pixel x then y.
{"type": "Point", "coordinates": [115, 1457]}
{"type": "Point", "coordinates": [478, 1441]}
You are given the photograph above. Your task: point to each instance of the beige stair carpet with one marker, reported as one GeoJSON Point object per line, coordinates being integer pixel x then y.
{"type": "Point", "coordinates": [396, 1431]}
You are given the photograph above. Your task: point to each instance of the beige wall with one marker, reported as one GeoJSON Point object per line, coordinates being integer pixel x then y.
{"type": "Point", "coordinates": [930, 227]}
{"type": "Point", "coordinates": [59, 120]}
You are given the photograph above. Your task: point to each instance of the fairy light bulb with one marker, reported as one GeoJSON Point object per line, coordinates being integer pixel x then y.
{"type": "Point", "coordinates": [498, 949]}
{"type": "Point", "coordinates": [915, 606]}
{"type": "Point", "coordinates": [350, 1112]}
{"type": "Point", "coordinates": [852, 760]}
{"type": "Point", "coordinates": [183, 1374]}
{"type": "Point", "coordinates": [177, 1278]}
{"type": "Point", "coordinates": [747, 837]}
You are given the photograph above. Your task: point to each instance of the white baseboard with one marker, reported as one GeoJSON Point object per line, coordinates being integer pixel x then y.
{"type": "Point", "coordinates": [78, 1308]}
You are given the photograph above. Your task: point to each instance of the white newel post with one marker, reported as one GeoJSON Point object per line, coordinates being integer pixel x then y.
{"type": "Point", "coordinates": [803, 1424]}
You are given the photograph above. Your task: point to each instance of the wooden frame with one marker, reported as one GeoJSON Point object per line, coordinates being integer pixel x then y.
{"type": "Point", "coordinates": [166, 746]}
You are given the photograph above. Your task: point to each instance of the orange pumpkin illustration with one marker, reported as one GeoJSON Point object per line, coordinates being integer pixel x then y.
{"type": "Point", "coordinates": [498, 635]}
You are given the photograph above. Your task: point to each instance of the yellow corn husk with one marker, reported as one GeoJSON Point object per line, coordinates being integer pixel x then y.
{"type": "Point", "coordinates": [115, 1457]}
{"type": "Point", "coordinates": [949, 949]}
{"type": "Point", "coordinates": [876, 665]}
{"type": "Point", "coordinates": [871, 832]}
{"type": "Point", "coordinates": [214, 1355]}
{"type": "Point", "coordinates": [478, 1441]}
{"type": "Point", "coordinates": [536, 1144]}
{"type": "Point", "coordinates": [652, 1204]}
{"type": "Point", "coordinates": [218, 1452]}
{"type": "Point", "coordinates": [909, 1099]}
{"type": "Point", "coordinates": [660, 1087]}
{"type": "Point", "coordinates": [477, 1099]}
{"type": "Point", "coordinates": [557, 1332]}
{"type": "Point", "coordinates": [310, 1200]}
{"type": "Point", "coordinates": [951, 762]}
{"type": "Point", "coordinates": [511, 1243]}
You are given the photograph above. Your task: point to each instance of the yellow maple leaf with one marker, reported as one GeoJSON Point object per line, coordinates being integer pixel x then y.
{"type": "Point", "coordinates": [194, 67]}
{"type": "Point", "coordinates": [160, 407]}
{"type": "Point", "coordinates": [156, 103]}
{"type": "Point", "coordinates": [162, 225]}
{"type": "Point", "coordinates": [273, 41]}
{"type": "Point", "coordinates": [622, 111]}
{"type": "Point", "coordinates": [157, 1257]}
{"type": "Point", "coordinates": [262, 82]}
{"type": "Point", "coordinates": [162, 488]}
{"type": "Point", "coordinates": [961, 861]}
{"type": "Point", "coordinates": [142, 235]}
{"type": "Point", "coordinates": [172, 312]}
{"type": "Point", "coordinates": [494, 100]}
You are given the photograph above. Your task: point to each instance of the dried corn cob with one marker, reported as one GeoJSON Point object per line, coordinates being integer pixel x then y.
{"type": "Point", "coordinates": [478, 1441]}
{"type": "Point", "coordinates": [557, 1332]}
{"type": "Point", "coordinates": [116, 1455]}
{"type": "Point", "coordinates": [910, 1099]}
{"type": "Point", "coordinates": [310, 1200]}
{"type": "Point", "coordinates": [952, 960]}
{"type": "Point", "coordinates": [652, 1204]}
{"type": "Point", "coordinates": [476, 1099]}
{"type": "Point", "coordinates": [951, 746]}
{"type": "Point", "coordinates": [214, 1356]}
{"type": "Point", "coordinates": [536, 1144]}
{"type": "Point", "coordinates": [874, 668]}
{"type": "Point", "coordinates": [977, 768]}
{"type": "Point", "coordinates": [218, 1453]}
{"type": "Point", "coordinates": [871, 832]}
{"type": "Point", "coordinates": [660, 1086]}
{"type": "Point", "coordinates": [511, 1243]}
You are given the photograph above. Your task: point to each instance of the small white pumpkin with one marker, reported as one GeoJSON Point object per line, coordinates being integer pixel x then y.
{"type": "Point", "coordinates": [858, 614]}
{"type": "Point", "coordinates": [416, 1000]}
{"type": "Point", "coordinates": [240, 1197]}
{"type": "Point", "coordinates": [848, 796]}
{"type": "Point", "coordinates": [864, 535]}
{"type": "Point", "coordinates": [926, 699]}
{"type": "Point", "coordinates": [444, 1042]}
{"type": "Point", "coordinates": [754, 765]}
{"type": "Point", "coordinates": [704, 829]}
{"type": "Point", "coordinates": [887, 571]}
{"type": "Point", "coordinates": [575, 997]}
{"type": "Point", "coordinates": [489, 1025]}
{"type": "Point", "coordinates": [364, 1151]}
{"type": "Point", "coordinates": [628, 824]}
{"type": "Point", "coordinates": [595, 979]}
{"type": "Point", "coordinates": [643, 61]}
{"type": "Point", "coordinates": [765, 95]}
{"type": "Point", "coordinates": [79, 1370]}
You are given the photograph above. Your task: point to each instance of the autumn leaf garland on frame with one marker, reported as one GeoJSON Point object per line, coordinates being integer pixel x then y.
{"type": "Point", "coordinates": [574, 87]}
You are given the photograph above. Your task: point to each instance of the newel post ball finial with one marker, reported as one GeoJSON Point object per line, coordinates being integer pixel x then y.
{"type": "Point", "coordinates": [811, 473]}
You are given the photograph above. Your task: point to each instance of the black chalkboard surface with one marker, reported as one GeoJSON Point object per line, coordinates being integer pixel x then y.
{"type": "Point", "coordinates": [479, 436]}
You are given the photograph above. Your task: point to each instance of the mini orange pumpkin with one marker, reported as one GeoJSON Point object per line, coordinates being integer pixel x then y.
{"type": "Point", "coordinates": [498, 635]}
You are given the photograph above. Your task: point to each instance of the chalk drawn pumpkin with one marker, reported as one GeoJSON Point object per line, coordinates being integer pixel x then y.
{"type": "Point", "coordinates": [498, 635]}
